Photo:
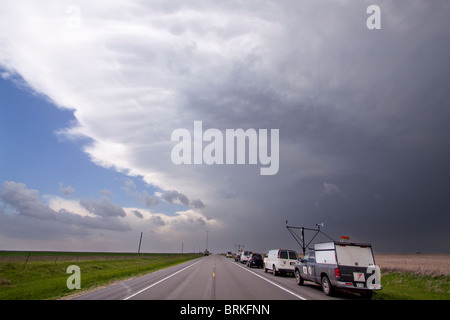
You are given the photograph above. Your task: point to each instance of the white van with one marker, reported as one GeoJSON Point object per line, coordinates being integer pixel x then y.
{"type": "Point", "coordinates": [245, 255]}
{"type": "Point", "coordinates": [280, 261]}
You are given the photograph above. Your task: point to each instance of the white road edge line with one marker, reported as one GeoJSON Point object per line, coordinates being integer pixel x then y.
{"type": "Point", "coordinates": [271, 282]}
{"type": "Point", "coordinates": [154, 284]}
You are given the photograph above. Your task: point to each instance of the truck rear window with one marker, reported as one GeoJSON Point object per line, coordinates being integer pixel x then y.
{"type": "Point", "coordinates": [284, 254]}
{"type": "Point", "coordinates": [351, 255]}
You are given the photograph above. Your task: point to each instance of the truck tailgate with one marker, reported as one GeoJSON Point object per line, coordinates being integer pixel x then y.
{"type": "Point", "coordinates": [353, 274]}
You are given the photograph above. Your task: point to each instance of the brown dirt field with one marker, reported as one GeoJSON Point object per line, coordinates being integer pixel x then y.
{"type": "Point", "coordinates": [423, 264]}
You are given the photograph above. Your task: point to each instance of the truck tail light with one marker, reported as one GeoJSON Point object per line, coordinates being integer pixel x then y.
{"type": "Point", "coordinates": [337, 273]}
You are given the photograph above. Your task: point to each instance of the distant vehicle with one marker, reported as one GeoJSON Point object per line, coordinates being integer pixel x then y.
{"type": "Point", "coordinates": [280, 261]}
{"type": "Point", "coordinates": [255, 260]}
{"type": "Point", "coordinates": [245, 256]}
{"type": "Point", "coordinates": [229, 254]}
{"type": "Point", "coordinates": [206, 252]}
{"type": "Point", "coordinates": [340, 265]}
{"type": "Point", "coordinates": [237, 256]}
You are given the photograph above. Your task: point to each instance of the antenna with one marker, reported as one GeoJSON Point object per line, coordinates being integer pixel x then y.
{"type": "Point", "coordinates": [301, 239]}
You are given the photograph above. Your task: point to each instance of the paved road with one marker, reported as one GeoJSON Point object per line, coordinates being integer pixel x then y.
{"type": "Point", "coordinates": [212, 277]}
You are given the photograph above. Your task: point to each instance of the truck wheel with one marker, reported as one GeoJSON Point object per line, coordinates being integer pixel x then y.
{"type": "Point", "coordinates": [298, 278]}
{"type": "Point", "coordinates": [326, 286]}
{"type": "Point", "coordinates": [265, 269]}
{"type": "Point", "coordinates": [274, 270]}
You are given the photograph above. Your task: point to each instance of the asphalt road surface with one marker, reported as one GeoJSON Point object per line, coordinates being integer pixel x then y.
{"type": "Point", "coordinates": [211, 277]}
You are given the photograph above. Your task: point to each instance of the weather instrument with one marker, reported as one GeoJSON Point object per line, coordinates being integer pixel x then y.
{"type": "Point", "coordinates": [300, 239]}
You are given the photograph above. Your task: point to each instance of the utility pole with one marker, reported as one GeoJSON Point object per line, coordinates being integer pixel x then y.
{"type": "Point", "coordinates": [140, 241]}
{"type": "Point", "coordinates": [206, 240]}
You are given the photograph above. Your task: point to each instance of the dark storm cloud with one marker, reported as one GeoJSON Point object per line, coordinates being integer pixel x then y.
{"type": "Point", "coordinates": [368, 127]}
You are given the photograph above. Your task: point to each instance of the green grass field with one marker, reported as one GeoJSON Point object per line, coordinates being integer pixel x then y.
{"type": "Point", "coordinates": [410, 286]}
{"type": "Point", "coordinates": [42, 275]}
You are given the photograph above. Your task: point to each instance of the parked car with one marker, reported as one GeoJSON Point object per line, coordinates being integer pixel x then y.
{"type": "Point", "coordinates": [340, 265]}
{"type": "Point", "coordinates": [280, 261]}
{"type": "Point", "coordinates": [229, 254]}
{"type": "Point", "coordinates": [255, 260]}
{"type": "Point", "coordinates": [245, 256]}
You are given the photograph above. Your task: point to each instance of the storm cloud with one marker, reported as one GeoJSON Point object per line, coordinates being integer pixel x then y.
{"type": "Point", "coordinates": [362, 114]}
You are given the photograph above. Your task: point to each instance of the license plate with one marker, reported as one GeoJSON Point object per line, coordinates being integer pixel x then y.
{"type": "Point", "coordinates": [292, 263]}
{"type": "Point", "coordinates": [360, 285]}
{"type": "Point", "coordinates": [359, 276]}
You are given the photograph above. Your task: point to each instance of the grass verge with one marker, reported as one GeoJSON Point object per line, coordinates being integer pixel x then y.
{"type": "Point", "coordinates": [411, 286]}
{"type": "Point", "coordinates": [42, 280]}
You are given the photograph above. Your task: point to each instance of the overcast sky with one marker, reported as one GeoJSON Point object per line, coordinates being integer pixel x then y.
{"type": "Point", "coordinates": [92, 91]}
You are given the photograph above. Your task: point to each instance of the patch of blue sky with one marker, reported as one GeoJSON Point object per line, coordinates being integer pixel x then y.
{"type": "Point", "coordinates": [31, 151]}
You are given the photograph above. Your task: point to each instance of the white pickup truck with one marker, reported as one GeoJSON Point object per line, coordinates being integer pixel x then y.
{"type": "Point", "coordinates": [340, 265]}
